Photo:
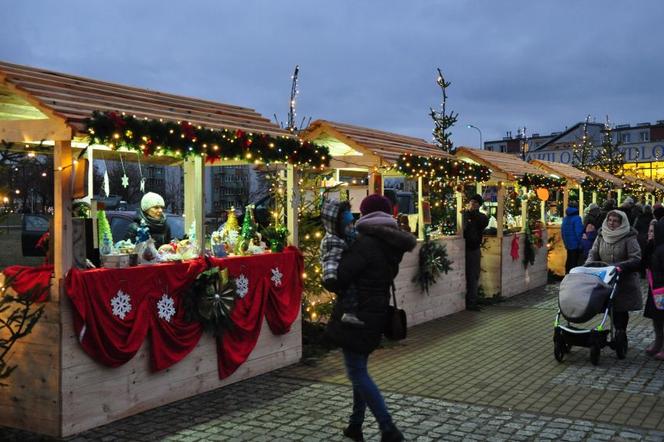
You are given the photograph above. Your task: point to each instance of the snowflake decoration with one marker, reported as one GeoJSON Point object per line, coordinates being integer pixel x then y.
{"type": "Point", "coordinates": [233, 236]}
{"type": "Point", "coordinates": [276, 277]}
{"type": "Point", "coordinates": [121, 304]}
{"type": "Point", "coordinates": [166, 307]}
{"type": "Point", "coordinates": [242, 285]}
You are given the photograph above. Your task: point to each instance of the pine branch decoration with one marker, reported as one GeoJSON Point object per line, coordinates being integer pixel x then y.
{"type": "Point", "coordinates": [433, 260]}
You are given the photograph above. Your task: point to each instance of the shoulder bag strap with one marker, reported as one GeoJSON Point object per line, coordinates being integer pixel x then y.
{"type": "Point", "coordinates": [394, 294]}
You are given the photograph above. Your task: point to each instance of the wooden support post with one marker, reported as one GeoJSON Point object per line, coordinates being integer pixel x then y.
{"type": "Point", "coordinates": [376, 183]}
{"type": "Point", "coordinates": [594, 197]}
{"type": "Point", "coordinates": [293, 203]}
{"type": "Point", "coordinates": [500, 211]}
{"type": "Point", "coordinates": [62, 224]}
{"type": "Point", "coordinates": [543, 212]}
{"type": "Point", "coordinates": [194, 199]}
{"type": "Point", "coordinates": [581, 201]}
{"type": "Point", "coordinates": [420, 209]}
{"type": "Point", "coordinates": [459, 214]}
{"type": "Point", "coordinates": [524, 209]}
{"type": "Point", "coordinates": [565, 199]}
{"type": "Point", "coordinates": [619, 198]}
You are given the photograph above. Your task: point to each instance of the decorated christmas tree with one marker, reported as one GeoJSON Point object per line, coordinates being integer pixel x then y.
{"type": "Point", "coordinates": [583, 150]}
{"type": "Point", "coordinates": [103, 227]}
{"type": "Point", "coordinates": [248, 224]}
{"type": "Point", "coordinates": [441, 119]}
{"type": "Point", "coordinates": [611, 157]}
{"type": "Point", "coordinates": [231, 222]}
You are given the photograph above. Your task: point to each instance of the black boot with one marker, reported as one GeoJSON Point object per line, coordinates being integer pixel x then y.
{"type": "Point", "coordinates": [354, 432]}
{"type": "Point", "coordinates": [391, 435]}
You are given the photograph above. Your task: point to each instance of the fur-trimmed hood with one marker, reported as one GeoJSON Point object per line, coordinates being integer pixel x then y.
{"type": "Point", "coordinates": [397, 239]}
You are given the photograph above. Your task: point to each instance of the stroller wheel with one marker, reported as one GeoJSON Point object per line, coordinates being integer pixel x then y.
{"type": "Point", "coordinates": [595, 350]}
{"type": "Point", "coordinates": [621, 344]}
{"type": "Point", "coordinates": [559, 349]}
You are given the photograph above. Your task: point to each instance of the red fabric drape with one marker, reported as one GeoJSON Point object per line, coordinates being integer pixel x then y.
{"type": "Point", "coordinates": [275, 291]}
{"type": "Point", "coordinates": [116, 308]}
{"type": "Point", "coordinates": [28, 278]}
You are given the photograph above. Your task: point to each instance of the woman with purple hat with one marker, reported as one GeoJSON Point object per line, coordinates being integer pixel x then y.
{"type": "Point", "coordinates": [370, 264]}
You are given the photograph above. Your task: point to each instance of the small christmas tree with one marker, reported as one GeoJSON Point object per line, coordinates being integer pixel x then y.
{"type": "Point", "coordinates": [231, 222]}
{"type": "Point", "coordinates": [103, 227]}
{"type": "Point", "coordinates": [583, 151]}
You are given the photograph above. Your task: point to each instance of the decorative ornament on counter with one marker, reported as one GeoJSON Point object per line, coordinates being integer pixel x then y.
{"type": "Point", "coordinates": [103, 228]}
{"type": "Point", "coordinates": [107, 185]}
{"type": "Point", "coordinates": [210, 299]}
{"type": "Point", "coordinates": [248, 232]}
{"type": "Point", "coordinates": [192, 232]}
{"type": "Point", "coordinates": [143, 232]}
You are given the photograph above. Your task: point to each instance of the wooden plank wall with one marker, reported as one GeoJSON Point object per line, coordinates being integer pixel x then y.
{"type": "Point", "coordinates": [446, 296]}
{"type": "Point", "coordinates": [558, 254]}
{"type": "Point", "coordinates": [490, 264]}
{"type": "Point", "coordinates": [515, 278]}
{"type": "Point", "coordinates": [31, 398]}
{"type": "Point", "coordinates": [94, 395]}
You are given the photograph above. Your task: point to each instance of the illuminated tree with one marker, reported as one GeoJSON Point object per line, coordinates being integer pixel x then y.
{"type": "Point", "coordinates": [441, 119]}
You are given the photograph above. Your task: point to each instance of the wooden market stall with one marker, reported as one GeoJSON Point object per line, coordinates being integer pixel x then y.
{"type": "Point", "coordinates": [613, 184]}
{"type": "Point", "coordinates": [57, 388]}
{"type": "Point", "coordinates": [575, 180]}
{"type": "Point", "coordinates": [503, 272]}
{"type": "Point", "coordinates": [374, 153]}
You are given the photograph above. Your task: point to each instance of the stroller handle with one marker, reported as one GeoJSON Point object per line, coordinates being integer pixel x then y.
{"type": "Point", "coordinates": [596, 264]}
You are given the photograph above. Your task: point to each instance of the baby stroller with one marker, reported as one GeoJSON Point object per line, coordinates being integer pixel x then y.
{"type": "Point", "coordinates": [584, 293]}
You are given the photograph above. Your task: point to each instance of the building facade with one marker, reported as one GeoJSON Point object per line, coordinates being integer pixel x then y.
{"type": "Point", "coordinates": [643, 145]}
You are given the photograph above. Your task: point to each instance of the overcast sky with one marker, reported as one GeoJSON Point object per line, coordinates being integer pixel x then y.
{"type": "Point", "coordinates": [540, 64]}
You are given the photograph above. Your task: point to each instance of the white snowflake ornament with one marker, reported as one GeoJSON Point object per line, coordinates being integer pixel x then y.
{"type": "Point", "coordinates": [276, 277]}
{"type": "Point", "coordinates": [242, 285]}
{"type": "Point", "coordinates": [121, 304]}
{"type": "Point", "coordinates": [166, 307]}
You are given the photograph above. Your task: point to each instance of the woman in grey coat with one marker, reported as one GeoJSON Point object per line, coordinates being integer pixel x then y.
{"type": "Point", "coordinates": [617, 245]}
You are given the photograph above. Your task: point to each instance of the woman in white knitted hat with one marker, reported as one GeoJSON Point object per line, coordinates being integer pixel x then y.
{"type": "Point", "coordinates": [152, 212]}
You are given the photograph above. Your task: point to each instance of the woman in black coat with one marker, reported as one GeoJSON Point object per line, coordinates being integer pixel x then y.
{"type": "Point", "coordinates": [370, 265]}
{"type": "Point", "coordinates": [650, 311]}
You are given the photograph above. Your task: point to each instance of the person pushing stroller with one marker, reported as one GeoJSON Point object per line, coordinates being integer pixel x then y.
{"type": "Point", "coordinates": [339, 235]}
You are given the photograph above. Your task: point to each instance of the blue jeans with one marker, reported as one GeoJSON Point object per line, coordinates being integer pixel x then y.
{"type": "Point", "coordinates": [365, 392]}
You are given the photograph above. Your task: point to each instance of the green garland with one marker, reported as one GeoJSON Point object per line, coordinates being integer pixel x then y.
{"type": "Point", "coordinates": [183, 139]}
{"type": "Point", "coordinates": [209, 300]}
{"type": "Point", "coordinates": [529, 248]}
{"type": "Point", "coordinates": [443, 169]}
{"type": "Point", "coordinates": [532, 180]}
{"type": "Point", "coordinates": [433, 261]}
{"type": "Point", "coordinates": [592, 184]}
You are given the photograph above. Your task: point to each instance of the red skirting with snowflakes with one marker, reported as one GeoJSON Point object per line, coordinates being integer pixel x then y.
{"type": "Point", "coordinates": [116, 309]}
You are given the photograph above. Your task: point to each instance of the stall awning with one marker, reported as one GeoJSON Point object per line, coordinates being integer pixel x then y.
{"type": "Point", "coordinates": [617, 182]}
{"type": "Point", "coordinates": [367, 147]}
{"type": "Point", "coordinates": [503, 165]}
{"type": "Point", "coordinates": [647, 185]}
{"type": "Point", "coordinates": [571, 173]}
{"type": "Point", "coordinates": [30, 94]}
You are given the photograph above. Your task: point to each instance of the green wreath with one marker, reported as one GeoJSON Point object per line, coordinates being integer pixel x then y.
{"type": "Point", "coordinates": [433, 261]}
{"type": "Point", "coordinates": [210, 299]}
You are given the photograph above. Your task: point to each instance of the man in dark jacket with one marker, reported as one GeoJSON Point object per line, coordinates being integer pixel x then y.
{"type": "Point", "coordinates": [474, 223]}
{"type": "Point", "coordinates": [152, 213]}
{"type": "Point", "coordinates": [572, 232]}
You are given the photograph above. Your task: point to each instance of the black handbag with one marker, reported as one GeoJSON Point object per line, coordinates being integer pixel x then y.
{"type": "Point", "coordinates": [396, 325]}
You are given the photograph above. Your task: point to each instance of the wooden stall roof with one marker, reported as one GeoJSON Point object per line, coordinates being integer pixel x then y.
{"type": "Point", "coordinates": [655, 184]}
{"type": "Point", "coordinates": [386, 145]}
{"type": "Point", "coordinates": [503, 163]}
{"type": "Point", "coordinates": [73, 98]}
{"type": "Point", "coordinates": [647, 184]}
{"type": "Point", "coordinates": [606, 176]}
{"type": "Point", "coordinates": [561, 170]}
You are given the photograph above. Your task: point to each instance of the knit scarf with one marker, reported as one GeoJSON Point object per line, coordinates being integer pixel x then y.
{"type": "Point", "coordinates": [377, 219]}
{"type": "Point", "coordinates": [612, 236]}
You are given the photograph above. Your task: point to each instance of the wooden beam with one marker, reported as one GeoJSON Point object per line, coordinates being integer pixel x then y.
{"type": "Point", "coordinates": [34, 131]}
{"type": "Point", "coordinates": [459, 214]}
{"type": "Point", "coordinates": [500, 211]}
{"type": "Point", "coordinates": [581, 201]}
{"type": "Point", "coordinates": [62, 224]}
{"type": "Point", "coordinates": [420, 209]}
{"type": "Point", "coordinates": [194, 199]}
{"type": "Point", "coordinates": [292, 203]}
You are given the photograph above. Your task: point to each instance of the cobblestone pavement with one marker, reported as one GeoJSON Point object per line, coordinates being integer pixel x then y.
{"type": "Point", "coordinates": [470, 376]}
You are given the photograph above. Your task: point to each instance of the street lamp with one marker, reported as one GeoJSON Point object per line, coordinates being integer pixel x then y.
{"type": "Point", "coordinates": [470, 126]}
